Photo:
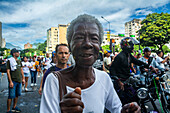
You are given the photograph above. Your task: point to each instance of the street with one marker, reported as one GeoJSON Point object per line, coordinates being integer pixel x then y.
{"type": "Point", "coordinates": [28, 102]}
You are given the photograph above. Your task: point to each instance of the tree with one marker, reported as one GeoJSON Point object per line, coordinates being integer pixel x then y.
{"type": "Point", "coordinates": [2, 51]}
{"type": "Point", "coordinates": [155, 30]}
{"type": "Point", "coordinates": [42, 46]}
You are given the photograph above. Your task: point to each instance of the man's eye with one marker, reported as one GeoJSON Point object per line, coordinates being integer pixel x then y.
{"type": "Point", "coordinates": [95, 38]}
{"type": "Point", "coordinates": [79, 37]}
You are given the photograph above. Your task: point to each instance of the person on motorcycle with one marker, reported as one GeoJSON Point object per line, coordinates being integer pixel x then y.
{"type": "Point", "coordinates": [150, 60]}
{"type": "Point", "coordinates": [162, 61]}
{"type": "Point", "coordinates": [120, 67]}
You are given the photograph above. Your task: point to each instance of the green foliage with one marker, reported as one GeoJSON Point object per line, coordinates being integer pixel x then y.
{"type": "Point", "coordinates": [166, 49]}
{"type": "Point", "coordinates": [38, 51]}
{"type": "Point", "coordinates": [2, 51]}
{"type": "Point", "coordinates": [42, 46]}
{"type": "Point", "coordinates": [106, 47]}
{"type": "Point", "coordinates": [155, 30]}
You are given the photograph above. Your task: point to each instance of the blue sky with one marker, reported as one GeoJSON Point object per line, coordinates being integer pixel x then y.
{"type": "Point", "coordinates": [28, 20]}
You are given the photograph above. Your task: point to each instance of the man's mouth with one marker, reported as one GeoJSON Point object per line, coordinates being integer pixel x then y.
{"type": "Point", "coordinates": [86, 55]}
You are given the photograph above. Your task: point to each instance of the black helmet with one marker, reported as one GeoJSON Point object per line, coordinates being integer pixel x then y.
{"type": "Point", "coordinates": [127, 43]}
{"type": "Point", "coordinates": [146, 49]}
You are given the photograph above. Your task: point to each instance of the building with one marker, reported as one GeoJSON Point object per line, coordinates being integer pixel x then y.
{"type": "Point", "coordinates": [116, 38]}
{"type": "Point", "coordinates": [3, 43]}
{"type": "Point", "coordinates": [132, 27]}
{"type": "Point", "coordinates": [27, 46]}
{"type": "Point", "coordinates": [0, 34]}
{"type": "Point", "coordinates": [56, 35]}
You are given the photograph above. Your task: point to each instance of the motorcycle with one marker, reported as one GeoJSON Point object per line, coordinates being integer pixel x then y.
{"type": "Point", "coordinates": [154, 87]}
{"type": "Point", "coordinates": [149, 89]}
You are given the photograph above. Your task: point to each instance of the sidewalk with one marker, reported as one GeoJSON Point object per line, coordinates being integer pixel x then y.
{"type": "Point", "coordinates": [28, 102]}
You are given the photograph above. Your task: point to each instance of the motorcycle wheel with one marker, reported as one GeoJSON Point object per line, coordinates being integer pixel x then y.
{"type": "Point", "coordinates": [166, 107]}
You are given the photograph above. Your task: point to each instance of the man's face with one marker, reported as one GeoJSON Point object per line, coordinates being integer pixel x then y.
{"type": "Point", "coordinates": [147, 54]}
{"type": "Point", "coordinates": [25, 59]}
{"type": "Point", "coordinates": [108, 54]}
{"type": "Point", "coordinates": [47, 55]}
{"type": "Point", "coordinates": [62, 55]}
{"type": "Point", "coordinates": [16, 54]}
{"type": "Point", "coordinates": [161, 54]}
{"type": "Point", "coordinates": [85, 43]}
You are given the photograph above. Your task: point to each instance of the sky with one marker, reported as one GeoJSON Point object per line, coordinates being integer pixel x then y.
{"type": "Point", "coordinates": [28, 20]}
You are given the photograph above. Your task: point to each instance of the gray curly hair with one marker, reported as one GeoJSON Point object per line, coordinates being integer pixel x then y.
{"type": "Point", "coordinates": [84, 18]}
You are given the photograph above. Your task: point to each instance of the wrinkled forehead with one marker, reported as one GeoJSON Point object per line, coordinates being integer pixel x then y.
{"type": "Point", "coordinates": [85, 26]}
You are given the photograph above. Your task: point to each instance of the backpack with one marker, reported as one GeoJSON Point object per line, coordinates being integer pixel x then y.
{"type": "Point", "coordinates": [52, 68]}
{"type": "Point", "coordinates": [3, 68]}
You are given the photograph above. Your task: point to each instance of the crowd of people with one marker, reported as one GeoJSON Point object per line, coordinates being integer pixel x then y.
{"type": "Point", "coordinates": [84, 72]}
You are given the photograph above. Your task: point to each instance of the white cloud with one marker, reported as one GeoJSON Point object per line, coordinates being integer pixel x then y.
{"type": "Point", "coordinates": [143, 12]}
{"type": "Point", "coordinates": [43, 14]}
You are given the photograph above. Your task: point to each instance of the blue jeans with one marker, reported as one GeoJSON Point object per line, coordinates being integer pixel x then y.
{"type": "Point", "coordinates": [33, 76]}
{"type": "Point", "coordinates": [15, 91]}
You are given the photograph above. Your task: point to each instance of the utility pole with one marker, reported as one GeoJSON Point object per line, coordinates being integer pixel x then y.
{"type": "Point", "coordinates": [109, 33]}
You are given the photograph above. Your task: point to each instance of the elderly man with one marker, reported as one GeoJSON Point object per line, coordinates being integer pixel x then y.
{"type": "Point", "coordinates": [96, 91]}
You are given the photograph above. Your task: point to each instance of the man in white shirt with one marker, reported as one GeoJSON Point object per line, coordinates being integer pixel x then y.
{"type": "Point", "coordinates": [161, 61]}
{"type": "Point", "coordinates": [46, 61]}
{"type": "Point", "coordinates": [107, 60]}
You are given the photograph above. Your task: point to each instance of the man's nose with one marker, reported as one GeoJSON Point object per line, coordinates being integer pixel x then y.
{"type": "Point", "coordinates": [87, 43]}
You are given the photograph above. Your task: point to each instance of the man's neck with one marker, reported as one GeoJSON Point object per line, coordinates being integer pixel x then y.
{"type": "Point", "coordinates": [146, 57]}
{"type": "Point", "coordinates": [15, 58]}
{"type": "Point", "coordinates": [61, 66]}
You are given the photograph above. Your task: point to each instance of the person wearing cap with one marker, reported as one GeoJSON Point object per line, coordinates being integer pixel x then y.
{"type": "Point", "coordinates": [107, 60]}
{"type": "Point", "coordinates": [150, 60]}
{"type": "Point", "coordinates": [15, 78]}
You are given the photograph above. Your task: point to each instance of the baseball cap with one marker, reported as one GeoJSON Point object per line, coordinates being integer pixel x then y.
{"type": "Point", "coordinates": [107, 51]}
{"type": "Point", "coordinates": [14, 50]}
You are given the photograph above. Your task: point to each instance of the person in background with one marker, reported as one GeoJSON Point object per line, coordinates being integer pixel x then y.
{"type": "Point", "coordinates": [139, 55]}
{"type": "Point", "coordinates": [120, 68]}
{"type": "Point", "coordinates": [26, 69]}
{"type": "Point", "coordinates": [33, 70]}
{"type": "Point", "coordinates": [152, 62]}
{"type": "Point", "coordinates": [39, 69]}
{"type": "Point", "coordinates": [160, 59]}
{"type": "Point", "coordinates": [46, 61]}
{"type": "Point", "coordinates": [71, 60]}
{"type": "Point", "coordinates": [107, 60]}
{"type": "Point", "coordinates": [1, 62]}
{"type": "Point", "coordinates": [112, 57]}
{"type": "Point", "coordinates": [99, 62]}
{"type": "Point", "coordinates": [61, 59]}
{"type": "Point", "coordinates": [15, 78]}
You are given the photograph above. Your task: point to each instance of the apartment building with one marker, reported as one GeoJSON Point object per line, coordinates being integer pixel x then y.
{"type": "Point", "coordinates": [132, 27]}
{"type": "Point", "coordinates": [56, 35]}
{"type": "Point", "coordinates": [116, 38]}
{"type": "Point", "coordinates": [0, 34]}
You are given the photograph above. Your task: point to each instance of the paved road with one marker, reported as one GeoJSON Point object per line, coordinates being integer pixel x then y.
{"type": "Point", "coordinates": [29, 102]}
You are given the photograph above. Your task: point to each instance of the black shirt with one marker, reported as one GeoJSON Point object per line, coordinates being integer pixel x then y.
{"type": "Point", "coordinates": [120, 67]}
{"type": "Point", "coordinates": [1, 61]}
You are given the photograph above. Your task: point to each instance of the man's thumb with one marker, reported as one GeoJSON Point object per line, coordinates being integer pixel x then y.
{"type": "Point", "coordinates": [78, 90]}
